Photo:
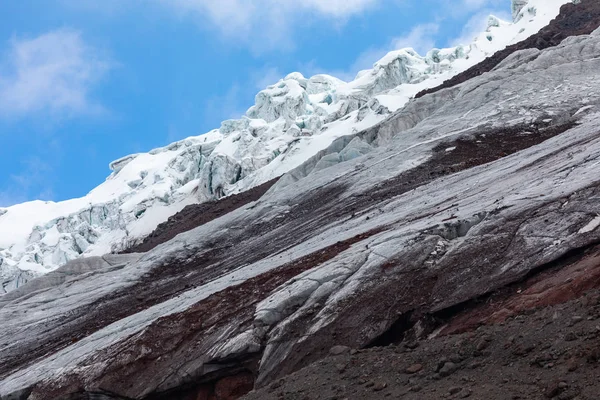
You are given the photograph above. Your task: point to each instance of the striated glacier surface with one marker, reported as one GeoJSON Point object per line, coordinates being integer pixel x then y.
{"type": "Point", "coordinates": [453, 195]}
{"type": "Point", "coordinates": [292, 121]}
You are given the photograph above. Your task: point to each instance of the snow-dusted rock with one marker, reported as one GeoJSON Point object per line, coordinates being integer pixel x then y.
{"type": "Point", "coordinates": [68, 271]}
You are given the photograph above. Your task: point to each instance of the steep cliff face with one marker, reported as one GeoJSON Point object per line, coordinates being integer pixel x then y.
{"type": "Point", "coordinates": [292, 121]}
{"type": "Point", "coordinates": [452, 197]}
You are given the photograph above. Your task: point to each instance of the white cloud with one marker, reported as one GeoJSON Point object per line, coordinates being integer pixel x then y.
{"type": "Point", "coordinates": [242, 9]}
{"type": "Point", "coordinates": [421, 38]}
{"type": "Point", "coordinates": [238, 12]}
{"type": "Point", "coordinates": [257, 24]}
{"type": "Point", "coordinates": [337, 8]}
{"type": "Point", "coordinates": [53, 73]}
{"type": "Point", "coordinates": [458, 9]}
{"type": "Point", "coordinates": [264, 24]}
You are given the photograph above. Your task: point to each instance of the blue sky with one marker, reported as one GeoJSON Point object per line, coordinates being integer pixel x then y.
{"type": "Point", "coordinates": [84, 82]}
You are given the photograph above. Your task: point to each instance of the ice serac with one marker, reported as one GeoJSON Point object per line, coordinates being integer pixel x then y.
{"type": "Point", "coordinates": [454, 196]}
{"type": "Point", "coordinates": [291, 122]}
{"type": "Point", "coordinates": [517, 6]}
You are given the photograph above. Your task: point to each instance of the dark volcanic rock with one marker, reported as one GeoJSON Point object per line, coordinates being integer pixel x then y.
{"type": "Point", "coordinates": [502, 376]}
{"type": "Point", "coordinates": [195, 215]}
{"type": "Point", "coordinates": [413, 369]}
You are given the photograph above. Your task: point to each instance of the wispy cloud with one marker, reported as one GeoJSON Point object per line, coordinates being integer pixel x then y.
{"type": "Point", "coordinates": [264, 24]}
{"type": "Point", "coordinates": [458, 9]}
{"type": "Point", "coordinates": [229, 105]}
{"type": "Point", "coordinates": [237, 16]}
{"type": "Point", "coordinates": [53, 73]}
{"type": "Point", "coordinates": [260, 25]}
{"type": "Point", "coordinates": [476, 25]}
{"type": "Point", "coordinates": [421, 38]}
{"type": "Point", "coordinates": [266, 76]}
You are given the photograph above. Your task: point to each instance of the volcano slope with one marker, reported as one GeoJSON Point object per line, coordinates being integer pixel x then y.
{"type": "Point", "coordinates": [467, 192]}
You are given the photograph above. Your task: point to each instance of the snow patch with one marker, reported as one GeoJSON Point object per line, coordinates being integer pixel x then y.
{"type": "Point", "coordinates": [591, 226]}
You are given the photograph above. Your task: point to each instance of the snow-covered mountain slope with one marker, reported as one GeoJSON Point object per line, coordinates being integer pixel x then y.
{"type": "Point", "coordinates": [291, 121]}
{"type": "Point", "coordinates": [475, 187]}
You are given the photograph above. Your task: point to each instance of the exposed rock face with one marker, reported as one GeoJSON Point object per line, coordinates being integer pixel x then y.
{"type": "Point", "coordinates": [551, 352]}
{"type": "Point", "coordinates": [456, 195]}
{"type": "Point", "coordinates": [195, 215]}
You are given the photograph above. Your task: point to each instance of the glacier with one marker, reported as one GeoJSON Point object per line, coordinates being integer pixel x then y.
{"type": "Point", "coordinates": [462, 193]}
{"type": "Point", "coordinates": [291, 122]}
{"type": "Point", "coordinates": [448, 239]}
